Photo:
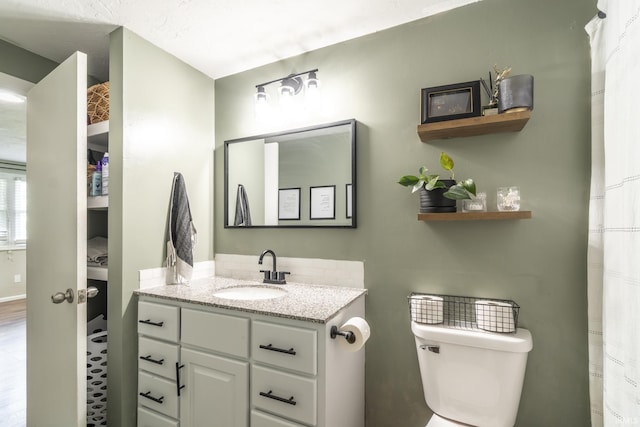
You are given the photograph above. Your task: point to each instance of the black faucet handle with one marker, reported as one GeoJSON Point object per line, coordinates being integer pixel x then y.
{"type": "Point", "coordinates": [280, 275]}
{"type": "Point", "coordinates": [267, 274]}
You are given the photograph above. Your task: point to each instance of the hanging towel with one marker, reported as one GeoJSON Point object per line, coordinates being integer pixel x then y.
{"type": "Point", "coordinates": [182, 233]}
{"type": "Point", "coordinates": [243, 215]}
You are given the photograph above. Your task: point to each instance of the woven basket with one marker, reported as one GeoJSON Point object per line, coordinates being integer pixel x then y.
{"type": "Point", "coordinates": [98, 103]}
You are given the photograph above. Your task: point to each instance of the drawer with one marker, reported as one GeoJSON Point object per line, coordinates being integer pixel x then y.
{"type": "Point", "coordinates": [158, 394]}
{"type": "Point", "coordinates": [147, 418]}
{"type": "Point", "coordinates": [217, 332]}
{"type": "Point", "coordinates": [158, 357]}
{"type": "Point", "coordinates": [260, 419]}
{"type": "Point", "coordinates": [159, 320]}
{"type": "Point", "coordinates": [274, 391]}
{"type": "Point", "coordinates": [285, 346]}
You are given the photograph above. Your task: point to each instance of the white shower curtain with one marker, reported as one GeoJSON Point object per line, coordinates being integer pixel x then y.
{"type": "Point", "coordinates": [614, 216]}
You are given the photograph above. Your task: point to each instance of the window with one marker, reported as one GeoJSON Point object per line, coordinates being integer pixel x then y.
{"type": "Point", "coordinates": [13, 207]}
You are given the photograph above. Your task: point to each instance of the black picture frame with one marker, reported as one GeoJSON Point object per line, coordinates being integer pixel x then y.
{"type": "Point", "coordinates": [451, 102]}
{"type": "Point", "coordinates": [322, 202]}
{"type": "Point", "coordinates": [289, 204]}
{"type": "Point", "coordinates": [349, 200]}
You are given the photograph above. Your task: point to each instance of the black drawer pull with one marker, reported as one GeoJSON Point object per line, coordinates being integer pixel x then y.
{"type": "Point", "coordinates": [150, 359]}
{"type": "Point", "coordinates": [178, 386]}
{"type": "Point", "coordinates": [291, 351]}
{"type": "Point", "coordinates": [149, 322]}
{"type": "Point", "coordinates": [155, 399]}
{"type": "Point", "coordinates": [270, 395]}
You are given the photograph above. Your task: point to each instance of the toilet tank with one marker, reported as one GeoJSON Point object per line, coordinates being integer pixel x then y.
{"type": "Point", "coordinates": [472, 377]}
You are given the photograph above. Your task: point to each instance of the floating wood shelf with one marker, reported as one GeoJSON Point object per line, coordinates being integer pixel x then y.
{"type": "Point", "coordinates": [483, 125]}
{"type": "Point", "coordinates": [473, 216]}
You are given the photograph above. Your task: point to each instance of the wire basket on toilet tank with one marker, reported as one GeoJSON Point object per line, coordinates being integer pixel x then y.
{"type": "Point", "coordinates": [487, 314]}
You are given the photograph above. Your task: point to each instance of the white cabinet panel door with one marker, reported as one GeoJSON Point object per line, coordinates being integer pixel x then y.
{"type": "Point", "coordinates": [56, 246]}
{"type": "Point", "coordinates": [216, 392]}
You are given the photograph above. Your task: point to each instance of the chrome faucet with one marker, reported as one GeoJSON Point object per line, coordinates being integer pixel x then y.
{"type": "Point", "coordinates": [274, 276]}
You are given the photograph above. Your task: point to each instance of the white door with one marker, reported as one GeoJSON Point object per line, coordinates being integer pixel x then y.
{"type": "Point", "coordinates": [56, 246]}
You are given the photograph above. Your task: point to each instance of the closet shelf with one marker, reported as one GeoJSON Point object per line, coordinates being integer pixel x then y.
{"type": "Point", "coordinates": [473, 126]}
{"type": "Point", "coordinates": [97, 273]}
{"type": "Point", "coordinates": [98, 202]}
{"type": "Point", "coordinates": [474, 216]}
{"type": "Point", "coordinates": [98, 136]}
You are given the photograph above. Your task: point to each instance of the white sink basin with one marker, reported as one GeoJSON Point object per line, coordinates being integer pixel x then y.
{"type": "Point", "coordinates": [248, 293]}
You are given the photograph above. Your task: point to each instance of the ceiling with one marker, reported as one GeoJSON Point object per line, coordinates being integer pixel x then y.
{"type": "Point", "coordinates": [217, 37]}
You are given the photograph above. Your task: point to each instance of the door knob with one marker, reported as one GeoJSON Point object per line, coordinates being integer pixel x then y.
{"type": "Point", "coordinates": [59, 297]}
{"type": "Point", "coordinates": [92, 291]}
{"type": "Point", "coordinates": [83, 294]}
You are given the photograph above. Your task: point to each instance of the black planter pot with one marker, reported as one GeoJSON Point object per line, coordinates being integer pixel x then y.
{"type": "Point", "coordinates": [434, 202]}
{"type": "Point", "coordinates": [515, 93]}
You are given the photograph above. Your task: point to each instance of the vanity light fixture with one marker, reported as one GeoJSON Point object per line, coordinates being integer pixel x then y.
{"type": "Point", "coordinates": [313, 82]}
{"type": "Point", "coordinates": [262, 97]}
{"type": "Point", "coordinates": [290, 86]}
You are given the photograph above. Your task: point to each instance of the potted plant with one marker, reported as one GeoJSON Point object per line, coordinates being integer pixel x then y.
{"type": "Point", "coordinates": [436, 194]}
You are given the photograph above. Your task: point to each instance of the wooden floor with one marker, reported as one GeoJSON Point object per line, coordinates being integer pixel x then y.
{"type": "Point", "coordinates": [13, 363]}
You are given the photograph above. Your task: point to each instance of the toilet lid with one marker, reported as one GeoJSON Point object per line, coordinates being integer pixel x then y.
{"type": "Point", "coordinates": [438, 421]}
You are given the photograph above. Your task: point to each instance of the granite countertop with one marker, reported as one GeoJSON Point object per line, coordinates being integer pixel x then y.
{"type": "Point", "coordinates": [312, 303]}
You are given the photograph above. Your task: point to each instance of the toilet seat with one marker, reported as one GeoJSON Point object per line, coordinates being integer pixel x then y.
{"type": "Point", "coordinates": [438, 421]}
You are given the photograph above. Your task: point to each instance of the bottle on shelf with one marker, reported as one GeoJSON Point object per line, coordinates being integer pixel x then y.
{"type": "Point", "coordinates": [96, 181]}
{"type": "Point", "coordinates": [105, 174]}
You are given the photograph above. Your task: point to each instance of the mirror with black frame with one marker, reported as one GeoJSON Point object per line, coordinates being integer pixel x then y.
{"type": "Point", "coordinates": [296, 178]}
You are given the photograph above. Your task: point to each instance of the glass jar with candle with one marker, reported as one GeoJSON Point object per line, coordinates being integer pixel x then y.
{"type": "Point", "coordinates": [508, 199]}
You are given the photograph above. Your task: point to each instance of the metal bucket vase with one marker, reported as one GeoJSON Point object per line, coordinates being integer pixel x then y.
{"type": "Point", "coordinates": [515, 93]}
{"type": "Point", "coordinates": [433, 201]}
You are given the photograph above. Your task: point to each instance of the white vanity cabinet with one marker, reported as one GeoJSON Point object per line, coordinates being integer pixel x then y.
{"type": "Point", "coordinates": [215, 369]}
{"type": "Point", "coordinates": [239, 369]}
{"type": "Point", "coordinates": [158, 361]}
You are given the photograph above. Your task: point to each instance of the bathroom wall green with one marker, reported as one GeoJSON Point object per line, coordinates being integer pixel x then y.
{"type": "Point", "coordinates": [540, 263]}
{"type": "Point", "coordinates": [23, 64]}
{"type": "Point", "coordinates": [152, 134]}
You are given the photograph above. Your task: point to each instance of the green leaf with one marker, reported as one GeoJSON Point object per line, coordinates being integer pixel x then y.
{"type": "Point", "coordinates": [446, 162]}
{"type": "Point", "coordinates": [432, 182]}
{"type": "Point", "coordinates": [469, 185]}
{"type": "Point", "coordinates": [408, 180]}
{"type": "Point", "coordinates": [418, 186]}
{"type": "Point", "coordinates": [457, 192]}
{"type": "Point", "coordinates": [439, 184]}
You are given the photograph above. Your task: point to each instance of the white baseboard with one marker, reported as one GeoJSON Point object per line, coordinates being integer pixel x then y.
{"type": "Point", "coordinates": [13, 298]}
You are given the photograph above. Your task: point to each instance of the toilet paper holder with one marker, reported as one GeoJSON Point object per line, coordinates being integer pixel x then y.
{"type": "Point", "coordinates": [349, 336]}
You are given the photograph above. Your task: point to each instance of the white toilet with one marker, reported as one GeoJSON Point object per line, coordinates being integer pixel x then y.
{"type": "Point", "coordinates": [471, 378]}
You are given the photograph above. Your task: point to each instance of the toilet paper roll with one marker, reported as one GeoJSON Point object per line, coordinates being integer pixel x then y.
{"type": "Point", "coordinates": [360, 329]}
{"type": "Point", "coordinates": [427, 309]}
{"type": "Point", "coordinates": [495, 316]}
